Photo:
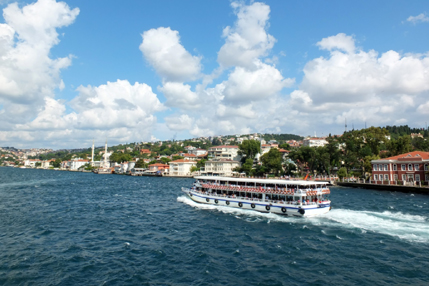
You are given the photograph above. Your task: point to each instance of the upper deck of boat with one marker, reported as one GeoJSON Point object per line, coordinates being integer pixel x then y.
{"type": "Point", "coordinates": [261, 181]}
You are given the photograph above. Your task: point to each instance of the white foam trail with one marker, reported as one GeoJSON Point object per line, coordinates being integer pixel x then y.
{"type": "Point", "coordinates": [405, 226]}
{"type": "Point", "coordinates": [414, 228]}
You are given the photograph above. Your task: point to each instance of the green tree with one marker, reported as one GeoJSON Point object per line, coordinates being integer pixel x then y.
{"type": "Point", "coordinates": [399, 146]}
{"type": "Point", "coordinates": [272, 161]}
{"type": "Point", "coordinates": [201, 163]}
{"type": "Point", "coordinates": [38, 164]}
{"type": "Point", "coordinates": [140, 164]}
{"type": "Point", "coordinates": [285, 146]}
{"type": "Point", "coordinates": [165, 160]}
{"type": "Point", "coordinates": [249, 149]}
{"type": "Point", "coordinates": [247, 166]}
{"type": "Point", "coordinates": [56, 163]}
{"type": "Point", "coordinates": [342, 172]}
{"type": "Point", "coordinates": [194, 169]}
{"type": "Point", "coordinates": [177, 158]}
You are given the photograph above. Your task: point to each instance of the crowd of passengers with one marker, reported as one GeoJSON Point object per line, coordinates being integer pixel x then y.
{"type": "Point", "coordinates": [289, 188]}
{"type": "Point", "coordinates": [311, 200]}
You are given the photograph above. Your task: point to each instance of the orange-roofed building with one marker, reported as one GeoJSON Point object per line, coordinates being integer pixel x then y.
{"type": "Point", "coordinates": [145, 151]}
{"type": "Point", "coordinates": [158, 167]}
{"type": "Point", "coordinates": [408, 167]}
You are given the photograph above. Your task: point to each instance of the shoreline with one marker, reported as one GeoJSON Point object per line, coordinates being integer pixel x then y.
{"type": "Point", "coordinates": [391, 188]}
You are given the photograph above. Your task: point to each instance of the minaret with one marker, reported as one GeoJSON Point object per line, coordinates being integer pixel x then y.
{"type": "Point", "coordinates": [92, 156]}
{"type": "Point", "coordinates": [105, 155]}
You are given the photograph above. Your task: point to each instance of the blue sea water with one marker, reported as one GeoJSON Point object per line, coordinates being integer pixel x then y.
{"type": "Point", "coordinates": [67, 228]}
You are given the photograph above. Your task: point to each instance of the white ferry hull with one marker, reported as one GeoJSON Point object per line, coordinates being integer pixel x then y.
{"type": "Point", "coordinates": [261, 206]}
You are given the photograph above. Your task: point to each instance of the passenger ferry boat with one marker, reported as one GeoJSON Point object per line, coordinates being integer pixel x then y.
{"type": "Point", "coordinates": [285, 197]}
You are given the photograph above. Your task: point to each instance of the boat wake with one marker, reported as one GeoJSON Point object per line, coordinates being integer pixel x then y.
{"type": "Point", "coordinates": [413, 228]}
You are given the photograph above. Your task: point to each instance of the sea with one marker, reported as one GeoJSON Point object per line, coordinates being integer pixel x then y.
{"type": "Point", "coordinates": [72, 228]}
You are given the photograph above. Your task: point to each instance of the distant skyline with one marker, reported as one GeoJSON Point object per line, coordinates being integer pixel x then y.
{"type": "Point", "coordinates": [74, 71]}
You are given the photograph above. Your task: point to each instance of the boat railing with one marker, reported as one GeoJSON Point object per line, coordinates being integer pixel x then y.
{"type": "Point", "coordinates": [278, 191]}
{"type": "Point", "coordinates": [259, 200]}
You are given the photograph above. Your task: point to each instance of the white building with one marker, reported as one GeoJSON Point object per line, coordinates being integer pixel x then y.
{"type": "Point", "coordinates": [220, 167]}
{"type": "Point", "coordinates": [224, 152]}
{"type": "Point", "coordinates": [181, 167]}
{"type": "Point", "coordinates": [315, 142]}
{"type": "Point", "coordinates": [31, 162]}
{"type": "Point", "coordinates": [198, 152]}
{"type": "Point", "coordinates": [75, 164]}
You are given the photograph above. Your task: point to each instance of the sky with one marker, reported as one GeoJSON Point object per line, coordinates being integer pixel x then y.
{"type": "Point", "coordinates": [76, 71]}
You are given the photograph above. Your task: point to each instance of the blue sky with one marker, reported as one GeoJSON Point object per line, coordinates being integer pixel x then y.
{"type": "Point", "coordinates": [75, 71]}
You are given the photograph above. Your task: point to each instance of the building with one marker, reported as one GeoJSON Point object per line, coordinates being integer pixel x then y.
{"type": "Point", "coordinates": [416, 135]}
{"type": "Point", "coordinates": [158, 167]}
{"type": "Point", "coordinates": [315, 142]}
{"type": "Point", "coordinates": [32, 162]}
{"type": "Point", "coordinates": [220, 167]}
{"type": "Point", "coordinates": [75, 164]}
{"type": "Point", "coordinates": [408, 167]}
{"type": "Point", "coordinates": [197, 152]}
{"type": "Point", "coordinates": [181, 167]}
{"type": "Point", "coordinates": [145, 151]}
{"type": "Point", "coordinates": [224, 152]}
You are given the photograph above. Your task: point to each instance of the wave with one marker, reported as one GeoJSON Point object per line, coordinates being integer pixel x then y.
{"type": "Point", "coordinates": [413, 228]}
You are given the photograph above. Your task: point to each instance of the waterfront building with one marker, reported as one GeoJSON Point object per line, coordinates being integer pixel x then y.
{"type": "Point", "coordinates": [181, 167]}
{"type": "Point", "coordinates": [158, 167]}
{"type": "Point", "coordinates": [220, 167]}
{"type": "Point", "coordinates": [224, 152]}
{"type": "Point", "coordinates": [31, 162]}
{"type": "Point", "coordinates": [75, 164]}
{"type": "Point", "coordinates": [409, 167]}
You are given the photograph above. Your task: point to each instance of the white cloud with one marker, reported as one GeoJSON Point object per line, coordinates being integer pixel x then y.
{"type": "Point", "coordinates": [418, 19]}
{"type": "Point", "coordinates": [359, 76]}
{"type": "Point", "coordinates": [180, 95]}
{"type": "Point", "coordinates": [162, 49]}
{"type": "Point", "coordinates": [245, 85]}
{"type": "Point", "coordinates": [27, 73]}
{"type": "Point", "coordinates": [339, 42]}
{"type": "Point", "coordinates": [248, 40]}
{"type": "Point", "coordinates": [117, 110]}
{"type": "Point", "coordinates": [179, 123]}
{"type": "Point", "coordinates": [423, 108]}
{"type": "Point", "coordinates": [116, 104]}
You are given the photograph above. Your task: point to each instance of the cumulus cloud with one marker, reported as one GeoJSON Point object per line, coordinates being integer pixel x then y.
{"type": "Point", "coordinates": [179, 123]}
{"type": "Point", "coordinates": [341, 42]}
{"type": "Point", "coordinates": [115, 104]}
{"type": "Point", "coordinates": [421, 18]}
{"type": "Point", "coordinates": [248, 39]}
{"type": "Point", "coordinates": [162, 49]}
{"type": "Point", "coordinates": [359, 76]}
{"type": "Point", "coordinates": [117, 110]}
{"type": "Point", "coordinates": [180, 95]}
{"type": "Point", "coordinates": [244, 85]}
{"type": "Point", "coordinates": [27, 73]}
{"type": "Point", "coordinates": [362, 86]}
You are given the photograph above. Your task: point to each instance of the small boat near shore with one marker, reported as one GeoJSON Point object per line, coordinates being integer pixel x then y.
{"type": "Point", "coordinates": [283, 197]}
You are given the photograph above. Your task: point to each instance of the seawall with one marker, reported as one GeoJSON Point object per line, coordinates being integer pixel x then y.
{"type": "Point", "coordinates": [390, 188]}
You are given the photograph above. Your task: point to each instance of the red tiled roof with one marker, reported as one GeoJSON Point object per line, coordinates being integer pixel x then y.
{"type": "Point", "coordinates": [158, 165]}
{"type": "Point", "coordinates": [414, 154]}
{"type": "Point", "coordinates": [189, 155]}
{"type": "Point", "coordinates": [182, 161]}
{"type": "Point", "coordinates": [224, 146]}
